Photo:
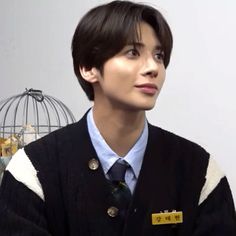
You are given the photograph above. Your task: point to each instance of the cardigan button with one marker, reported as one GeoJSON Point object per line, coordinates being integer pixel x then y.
{"type": "Point", "coordinates": [112, 211]}
{"type": "Point", "coordinates": [93, 164]}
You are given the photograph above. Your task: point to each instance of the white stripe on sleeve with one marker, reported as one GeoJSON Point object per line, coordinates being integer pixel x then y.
{"type": "Point", "coordinates": [23, 171]}
{"type": "Point", "coordinates": [213, 177]}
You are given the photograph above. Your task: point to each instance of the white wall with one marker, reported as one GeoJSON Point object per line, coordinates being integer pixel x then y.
{"type": "Point", "coordinates": [198, 100]}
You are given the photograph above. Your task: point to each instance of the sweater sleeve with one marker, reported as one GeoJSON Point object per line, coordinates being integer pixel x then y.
{"type": "Point", "coordinates": [216, 216]}
{"type": "Point", "coordinates": [22, 211]}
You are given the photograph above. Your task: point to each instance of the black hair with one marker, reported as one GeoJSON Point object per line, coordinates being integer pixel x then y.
{"type": "Point", "coordinates": [107, 28]}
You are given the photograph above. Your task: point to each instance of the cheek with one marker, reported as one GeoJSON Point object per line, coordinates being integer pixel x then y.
{"type": "Point", "coordinates": [161, 79]}
{"type": "Point", "coordinates": [118, 71]}
{"type": "Point", "coordinates": [162, 76]}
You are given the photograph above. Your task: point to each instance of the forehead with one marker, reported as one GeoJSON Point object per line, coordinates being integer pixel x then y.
{"type": "Point", "coordinates": [144, 33]}
{"type": "Point", "coordinates": [147, 33]}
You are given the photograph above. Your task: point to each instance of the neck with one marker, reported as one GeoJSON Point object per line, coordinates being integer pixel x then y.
{"type": "Point", "coordinates": [119, 128]}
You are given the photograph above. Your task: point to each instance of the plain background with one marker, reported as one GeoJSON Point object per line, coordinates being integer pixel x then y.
{"type": "Point", "coordinates": [198, 100]}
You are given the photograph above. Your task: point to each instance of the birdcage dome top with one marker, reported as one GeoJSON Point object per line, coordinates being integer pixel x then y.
{"type": "Point", "coordinates": [30, 115]}
{"type": "Point", "coordinates": [33, 108]}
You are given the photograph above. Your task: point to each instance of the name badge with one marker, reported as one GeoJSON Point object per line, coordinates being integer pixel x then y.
{"type": "Point", "coordinates": [175, 217]}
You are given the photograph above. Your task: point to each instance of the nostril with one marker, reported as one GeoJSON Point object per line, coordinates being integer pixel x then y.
{"type": "Point", "coordinates": [152, 73]}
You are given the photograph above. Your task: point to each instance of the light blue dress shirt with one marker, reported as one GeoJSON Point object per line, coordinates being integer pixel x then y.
{"type": "Point", "coordinates": [108, 157]}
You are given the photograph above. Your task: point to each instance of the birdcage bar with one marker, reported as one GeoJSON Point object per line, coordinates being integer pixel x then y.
{"type": "Point", "coordinates": [65, 110]}
{"type": "Point", "coordinates": [15, 113]}
{"type": "Point", "coordinates": [55, 109]}
{"type": "Point", "coordinates": [10, 101]}
{"type": "Point", "coordinates": [26, 109]}
{"type": "Point", "coordinates": [35, 114]}
{"type": "Point", "coordinates": [60, 106]}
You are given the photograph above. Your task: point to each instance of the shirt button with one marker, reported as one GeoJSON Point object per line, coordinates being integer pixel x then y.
{"type": "Point", "coordinates": [112, 211]}
{"type": "Point", "coordinates": [93, 164]}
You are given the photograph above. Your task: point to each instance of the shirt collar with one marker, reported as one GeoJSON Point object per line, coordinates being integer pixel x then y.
{"type": "Point", "coordinates": [108, 157]}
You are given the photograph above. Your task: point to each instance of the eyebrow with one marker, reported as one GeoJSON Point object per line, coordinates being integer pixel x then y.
{"type": "Point", "coordinates": [141, 45]}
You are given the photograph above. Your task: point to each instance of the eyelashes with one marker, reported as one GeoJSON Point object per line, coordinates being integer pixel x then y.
{"type": "Point", "coordinates": [134, 53]}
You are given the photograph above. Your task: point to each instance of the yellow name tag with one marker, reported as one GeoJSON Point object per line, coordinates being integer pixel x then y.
{"type": "Point", "coordinates": [167, 218]}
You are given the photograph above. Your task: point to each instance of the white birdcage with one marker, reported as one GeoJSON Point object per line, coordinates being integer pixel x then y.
{"type": "Point", "coordinates": [26, 117]}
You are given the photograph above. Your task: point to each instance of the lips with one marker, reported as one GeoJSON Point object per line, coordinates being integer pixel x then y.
{"type": "Point", "coordinates": [147, 88]}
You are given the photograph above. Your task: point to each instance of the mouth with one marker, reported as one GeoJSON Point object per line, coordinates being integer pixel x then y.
{"type": "Point", "coordinates": [147, 88]}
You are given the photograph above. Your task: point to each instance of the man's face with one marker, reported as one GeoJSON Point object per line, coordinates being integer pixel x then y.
{"type": "Point", "coordinates": [133, 78]}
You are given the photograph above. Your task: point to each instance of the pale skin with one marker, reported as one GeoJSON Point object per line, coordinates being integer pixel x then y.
{"type": "Point", "coordinates": [130, 84]}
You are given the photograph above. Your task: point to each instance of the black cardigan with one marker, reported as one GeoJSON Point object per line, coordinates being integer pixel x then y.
{"type": "Point", "coordinates": [77, 198]}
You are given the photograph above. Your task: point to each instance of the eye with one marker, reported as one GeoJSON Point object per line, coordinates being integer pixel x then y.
{"type": "Point", "coordinates": [132, 53]}
{"type": "Point", "coordinates": [159, 56]}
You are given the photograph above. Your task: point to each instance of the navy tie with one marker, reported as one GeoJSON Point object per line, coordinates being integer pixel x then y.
{"type": "Point", "coordinates": [117, 171]}
{"type": "Point", "coordinates": [120, 190]}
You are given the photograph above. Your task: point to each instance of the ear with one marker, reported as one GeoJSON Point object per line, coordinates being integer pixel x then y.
{"type": "Point", "coordinates": [90, 75]}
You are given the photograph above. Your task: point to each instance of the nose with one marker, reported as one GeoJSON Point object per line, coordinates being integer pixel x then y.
{"type": "Point", "coordinates": [152, 74]}
{"type": "Point", "coordinates": [150, 67]}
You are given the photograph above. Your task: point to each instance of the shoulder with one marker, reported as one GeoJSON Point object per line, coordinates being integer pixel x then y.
{"type": "Point", "coordinates": [55, 136]}
{"type": "Point", "coordinates": [48, 148]}
{"type": "Point", "coordinates": [191, 158]}
{"type": "Point", "coordinates": [41, 159]}
{"type": "Point", "coordinates": [177, 143]}
{"type": "Point", "coordinates": [183, 156]}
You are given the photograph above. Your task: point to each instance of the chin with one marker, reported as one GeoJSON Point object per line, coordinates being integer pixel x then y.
{"type": "Point", "coordinates": [149, 108]}
{"type": "Point", "coordinates": [149, 105]}
{"type": "Point", "coordinates": [134, 105]}
{"type": "Point", "coordinates": [146, 107]}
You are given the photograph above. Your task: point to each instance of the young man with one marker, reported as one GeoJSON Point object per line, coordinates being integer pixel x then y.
{"type": "Point", "coordinates": [171, 185]}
